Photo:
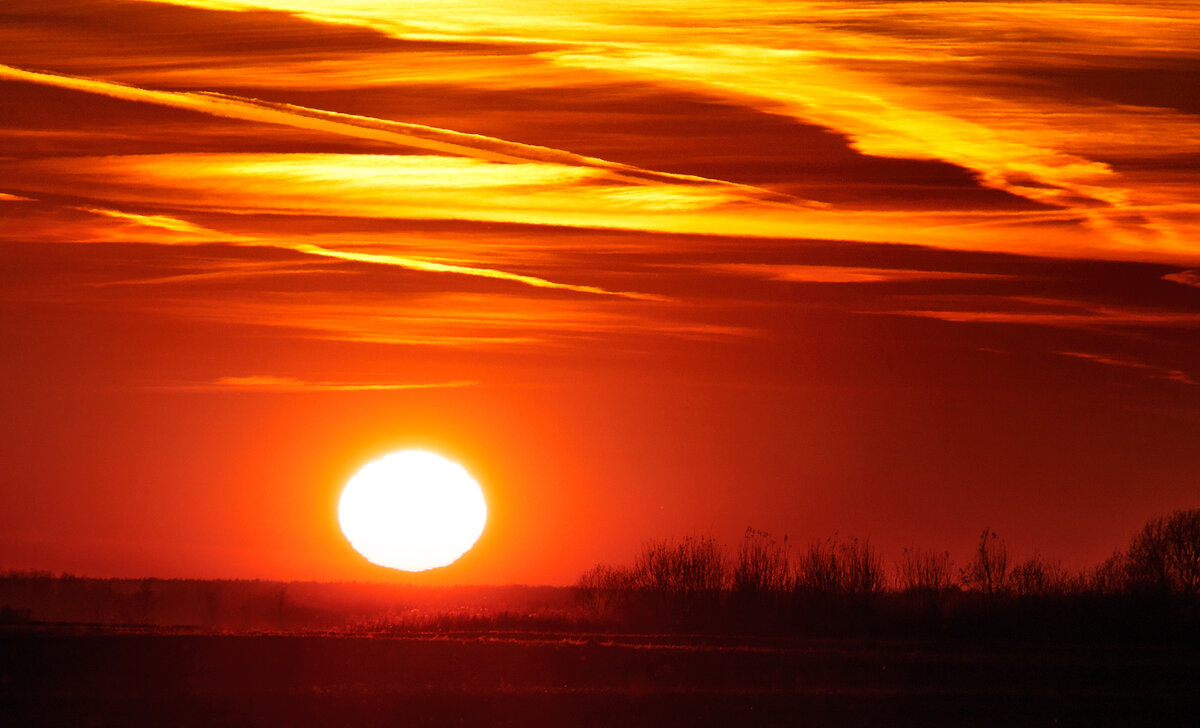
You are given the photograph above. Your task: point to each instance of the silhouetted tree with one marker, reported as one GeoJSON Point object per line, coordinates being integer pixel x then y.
{"type": "Point", "coordinates": [988, 571]}
{"type": "Point", "coordinates": [1111, 576]}
{"type": "Point", "coordinates": [1165, 555]}
{"type": "Point", "coordinates": [1035, 577]}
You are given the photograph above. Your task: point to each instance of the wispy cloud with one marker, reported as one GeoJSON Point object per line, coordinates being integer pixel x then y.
{"type": "Point", "coordinates": [429, 187]}
{"type": "Point", "coordinates": [843, 274]}
{"type": "Point", "coordinates": [1155, 372]}
{"type": "Point", "coordinates": [1062, 313]}
{"type": "Point", "coordinates": [452, 319]}
{"type": "Point", "coordinates": [5, 197]}
{"type": "Point", "coordinates": [862, 72]}
{"type": "Point", "coordinates": [891, 78]}
{"type": "Point", "coordinates": [436, 267]}
{"type": "Point", "coordinates": [416, 136]}
{"type": "Point", "coordinates": [224, 271]}
{"type": "Point", "coordinates": [192, 230]}
{"type": "Point", "coordinates": [164, 222]}
{"type": "Point", "coordinates": [1186, 277]}
{"type": "Point", "coordinates": [1065, 173]}
{"type": "Point", "coordinates": [270, 383]}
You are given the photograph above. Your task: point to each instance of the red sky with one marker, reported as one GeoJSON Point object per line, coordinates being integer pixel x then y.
{"type": "Point", "coordinates": [895, 270]}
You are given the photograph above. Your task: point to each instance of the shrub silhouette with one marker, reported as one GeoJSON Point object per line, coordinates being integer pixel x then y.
{"type": "Point", "coordinates": [690, 566]}
{"type": "Point", "coordinates": [603, 588]}
{"type": "Point", "coordinates": [924, 571]}
{"type": "Point", "coordinates": [761, 564]}
{"type": "Point", "coordinates": [839, 567]}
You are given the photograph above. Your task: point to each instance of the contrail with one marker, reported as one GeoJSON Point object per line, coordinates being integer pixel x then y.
{"type": "Point", "coordinates": [418, 136]}
{"type": "Point", "coordinates": [427, 266]}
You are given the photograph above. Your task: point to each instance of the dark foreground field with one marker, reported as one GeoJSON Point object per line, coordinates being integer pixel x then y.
{"type": "Point", "coordinates": [69, 677]}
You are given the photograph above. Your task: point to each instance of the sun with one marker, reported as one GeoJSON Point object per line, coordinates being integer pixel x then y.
{"type": "Point", "coordinates": [412, 510]}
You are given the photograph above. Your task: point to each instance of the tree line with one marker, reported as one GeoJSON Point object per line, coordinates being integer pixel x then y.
{"type": "Point", "coordinates": [768, 584]}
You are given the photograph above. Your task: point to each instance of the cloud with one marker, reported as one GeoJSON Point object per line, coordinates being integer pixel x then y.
{"type": "Point", "coordinates": [1061, 313]}
{"type": "Point", "coordinates": [1155, 372]}
{"type": "Point", "coordinates": [177, 225]}
{"type": "Point", "coordinates": [224, 272]}
{"type": "Point", "coordinates": [843, 274]}
{"type": "Point", "coordinates": [435, 267]}
{"type": "Point", "coordinates": [430, 187]}
{"type": "Point", "coordinates": [868, 74]}
{"type": "Point", "coordinates": [1015, 151]}
{"type": "Point", "coordinates": [1186, 277]}
{"type": "Point", "coordinates": [417, 136]}
{"type": "Point", "coordinates": [163, 222]}
{"type": "Point", "coordinates": [448, 319]}
{"type": "Point", "coordinates": [270, 383]}
{"type": "Point", "coordinates": [922, 81]}
{"type": "Point", "coordinates": [494, 71]}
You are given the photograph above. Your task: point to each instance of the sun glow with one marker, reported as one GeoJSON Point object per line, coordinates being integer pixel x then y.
{"type": "Point", "coordinates": [413, 511]}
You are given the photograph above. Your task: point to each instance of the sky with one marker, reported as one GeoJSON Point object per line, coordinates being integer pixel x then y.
{"type": "Point", "coordinates": [648, 269]}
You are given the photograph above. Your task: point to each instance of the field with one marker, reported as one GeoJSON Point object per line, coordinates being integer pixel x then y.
{"type": "Point", "coordinates": [80, 676]}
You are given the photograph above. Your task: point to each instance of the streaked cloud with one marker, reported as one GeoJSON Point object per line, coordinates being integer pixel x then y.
{"type": "Point", "coordinates": [164, 222]}
{"type": "Point", "coordinates": [1186, 277]}
{"type": "Point", "coordinates": [1065, 313]}
{"type": "Point", "coordinates": [498, 71]}
{"type": "Point", "coordinates": [891, 77]}
{"type": "Point", "coordinates": [395, 147]}
{"type": "Point", "coordinates": [450, 319]}
{"type": "Point", "coordinates": [409, 135]}
{"type": "Point", "coordinates": [435, 267]}
{"type": "Point", "coordinates": [182, 226]}
{"type": "Point", "coordinates": [427, 187]}
{"type": "Point", "coordinates": [270, 383]}
{"type": "Point", "coordinates": [222, 272]}
{"type": "Point", "coordinates": [865, 73]}
{"type": "Point", "coordinates": [1153, 371]}
{"type": "Point", "coordinates": [843, 274]}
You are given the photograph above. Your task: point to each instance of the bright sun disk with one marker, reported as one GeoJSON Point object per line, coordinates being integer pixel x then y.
{"type": "Point", "coordinates": [412, 510]}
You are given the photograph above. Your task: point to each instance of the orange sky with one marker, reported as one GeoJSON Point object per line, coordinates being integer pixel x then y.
{"type": "Point", "coordinates": [894, 270]}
